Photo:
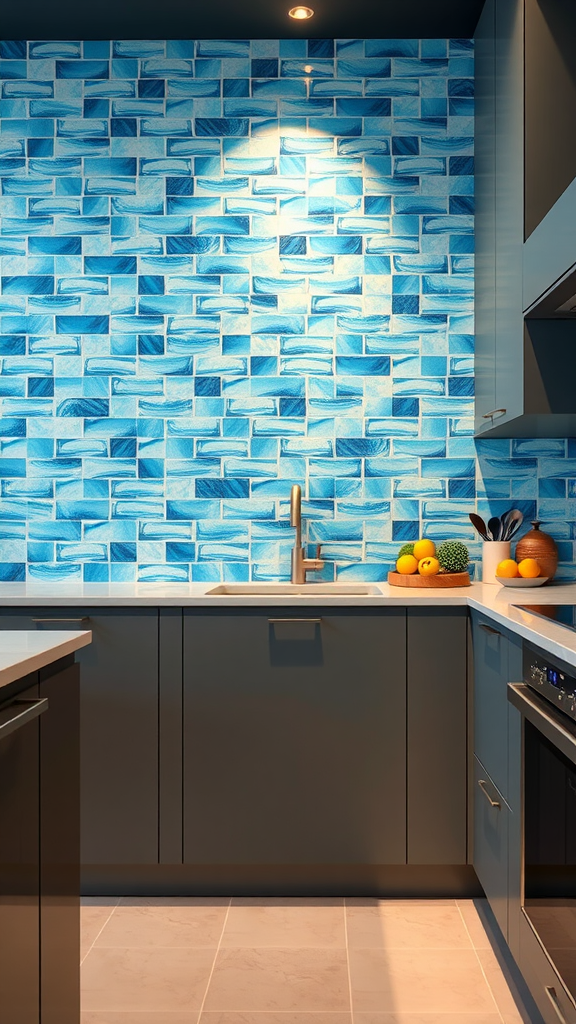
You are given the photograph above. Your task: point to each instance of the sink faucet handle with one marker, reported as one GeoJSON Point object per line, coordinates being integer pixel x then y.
{"type": "Point", "coordinates": [318, 551]}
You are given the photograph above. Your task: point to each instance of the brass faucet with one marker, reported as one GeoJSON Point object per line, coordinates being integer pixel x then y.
{"type": "Point", "coordinates": [300, 564]}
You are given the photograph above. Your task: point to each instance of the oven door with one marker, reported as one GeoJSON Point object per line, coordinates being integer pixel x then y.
{"type": "Point", "coordinates": [547, 927]}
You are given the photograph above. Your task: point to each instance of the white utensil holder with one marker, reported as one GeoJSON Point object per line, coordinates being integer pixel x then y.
{"type": "Point", "coordinates": [493, 552]}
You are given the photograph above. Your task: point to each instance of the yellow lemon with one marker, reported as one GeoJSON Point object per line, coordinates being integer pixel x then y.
{"type": "Point", "coordinates": [508, 569]}
{"type": "Point", "coordinates": [529, 568]}
{"type": "Point", "coordinates": [424, 549]}
{"type": "Point", "coordinates": [428, 566]}
{"type": "Point", "coordinates": [407, 564]}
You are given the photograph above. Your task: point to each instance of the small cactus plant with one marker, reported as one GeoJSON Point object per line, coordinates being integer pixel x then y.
{"type": "Point", "coordinates": [453, 556]}
{"type": "Point", "coordinates": [406, 549]}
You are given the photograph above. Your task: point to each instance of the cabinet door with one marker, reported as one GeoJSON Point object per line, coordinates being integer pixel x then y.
{"type": "Point", "coordinates": [437, 735]}
{"type": "Point", "coordinates": [509, 67]}
{"type": "Point", "coordinates": [485, 185]}
{"type": "Point", "coordinates": [491, 657]}
{"type": "Point", "coordinates": [295, 737]}
{"type": "Point", "coordinates": [491, 815]}
{"type": "Point", "coordinates": [118, 728]}
{"type": "Point", "coordinates": [19, 872]}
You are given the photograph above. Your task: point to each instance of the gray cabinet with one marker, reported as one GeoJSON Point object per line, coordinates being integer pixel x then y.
{"type": "Point", "coordinates": [520, 362]}
{"type": "Point", "coordinates": [325, 745]}
{"type": "Point", "coordinates": [118, 729]}
{"type": "Point", "coordinates": [496, 789]}
{"type": "Point", "coordinates": [295, 737]}
{"type": "Point", "coordinates": [499, 349]}
{"type": "Point", "coordinates": [39, 848]}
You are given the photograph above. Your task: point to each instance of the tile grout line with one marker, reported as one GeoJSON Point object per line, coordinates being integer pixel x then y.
{"type": "Point", "coordinates": [348, 963]}
{"type": "Point", "coordinates": [201, 1010]}
{"type": "Point", "coordinates": [96, 937]}
{"type": "Point", "coordinates": [481, 965]}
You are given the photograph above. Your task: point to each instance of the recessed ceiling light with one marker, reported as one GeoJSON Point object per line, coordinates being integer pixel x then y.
{"type": "Point", "coordinates": [301, 13]}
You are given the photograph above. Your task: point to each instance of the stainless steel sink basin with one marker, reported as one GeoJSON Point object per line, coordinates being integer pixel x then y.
{"type": "Point", "coordinates": [294, 589]}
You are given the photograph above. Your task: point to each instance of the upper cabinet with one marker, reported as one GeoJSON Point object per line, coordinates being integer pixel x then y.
{"type": "Point", "coordinates": [525, 349]}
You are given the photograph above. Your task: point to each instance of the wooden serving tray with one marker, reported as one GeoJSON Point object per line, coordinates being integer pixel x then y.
{"type": "Point", "coordinates": [441, 580]}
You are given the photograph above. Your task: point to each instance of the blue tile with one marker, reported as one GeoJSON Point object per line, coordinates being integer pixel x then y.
{"type": "Point", "coordinates": [245, 352]}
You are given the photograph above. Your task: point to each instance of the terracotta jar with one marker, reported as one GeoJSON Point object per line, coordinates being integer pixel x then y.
{"type": "Point", "coordinates": [541, 546]}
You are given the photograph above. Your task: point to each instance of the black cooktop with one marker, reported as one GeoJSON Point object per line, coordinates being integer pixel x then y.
{"type": "Point", "coordinates": [563, 614]}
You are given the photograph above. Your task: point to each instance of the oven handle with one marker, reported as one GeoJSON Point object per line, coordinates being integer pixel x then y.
{"type": "Point", "coordinates": [544, 716]}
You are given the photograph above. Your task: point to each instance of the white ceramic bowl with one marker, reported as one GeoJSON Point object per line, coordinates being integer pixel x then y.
{"type": "Point", "coordinates": [519, 581]}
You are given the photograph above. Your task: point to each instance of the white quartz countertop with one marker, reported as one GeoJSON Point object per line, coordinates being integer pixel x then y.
{"type": "Point", "coordinates": [24, 651]}
{"type": "Point", "coordinates": [499, 603]}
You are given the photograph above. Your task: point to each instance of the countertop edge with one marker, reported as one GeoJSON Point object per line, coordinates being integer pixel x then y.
{"type": "Point", "coordinates": [32, 661]}
{"type": "Point", "coordinates": [498, 603]}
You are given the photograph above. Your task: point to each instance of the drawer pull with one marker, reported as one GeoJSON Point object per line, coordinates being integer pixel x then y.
{"type": "Point", "coordinates": [315, 622]}
{"type": "Point", "coordinates": [23, 711]}
{"type": "Point", "coordinates": [551, 993]}
{"type": "Point", "coordinates": [84, 618]}
{"type": "Point", "coordinates": [484, 788]}
{"type": "Point", "coordinates": [489, 629]}
{"type": "Point", "coordinates": [493, 413]}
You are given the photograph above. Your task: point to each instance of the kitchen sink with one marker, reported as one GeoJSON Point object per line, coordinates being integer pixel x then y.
{"type": "Point", "coordinates": [294, 589]}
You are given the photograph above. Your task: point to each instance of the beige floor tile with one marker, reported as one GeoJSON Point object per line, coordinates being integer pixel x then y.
{"type": "Point", "coordinates": [165, 922]}
{"type": "Point", "coordinates": [405, 924]}
{"type": "Point", "coordinates": [473, 921]}
{"type": "Point", "coordinates": [414, 981]}
{"type": "Point", "coordinates": [497, 981]}
{"type": "Point", "coordinates": [139, 1018]}
{"type": "Point", "coordinates": [275, 1018]}
{"type": "Point", "coordinates": [427, 1018]}
{"type": "Point", "coordinates": [145, 980]}
{"type": "Point", "coordinates": [93, 917]}
{"type": "Point", "coordinates": [279, 979]}
{"type": "Point", "coordinates": [285, 922]}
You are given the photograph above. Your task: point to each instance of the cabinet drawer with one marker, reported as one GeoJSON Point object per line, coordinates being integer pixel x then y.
{"type": "Point", "coordinates": [491, 826]}
{"type": "Point", "coordinates": [545, 986]}
{"type": "Point", "coordinates": [491, 660]}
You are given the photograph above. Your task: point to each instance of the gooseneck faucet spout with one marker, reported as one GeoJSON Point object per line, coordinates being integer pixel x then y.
{"type": "Point", "coordinates": [300, 564]}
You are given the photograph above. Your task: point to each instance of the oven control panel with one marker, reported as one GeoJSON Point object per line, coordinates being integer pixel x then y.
{"type": "Point", "coordinates": [552, 682]}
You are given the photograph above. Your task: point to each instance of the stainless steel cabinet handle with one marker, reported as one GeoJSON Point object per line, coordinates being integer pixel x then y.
{"type": "Point", "coordinates": [83, 618]}
{"type": "Point", "coordinates": [19, 713]}
{"type": "Point", "coordinates": [484, 788]}
{"type": "Point", "coordinates": [493, 413]}
{"type": "Point", "coordinates": [489, 629]}
{"type": "Point", "coordinates": [315, 621]}
{"type": "Point", "coordinates": [551, 993]}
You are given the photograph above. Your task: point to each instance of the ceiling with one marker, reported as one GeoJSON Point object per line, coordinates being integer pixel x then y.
{"type": "Point", "coordinates": [238, 19]}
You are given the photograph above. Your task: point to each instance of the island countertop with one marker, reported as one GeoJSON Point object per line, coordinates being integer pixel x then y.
{"type": "Point", "coordinates": [25, 651]}
{"type": "Point", "coordinates": [499, 603]}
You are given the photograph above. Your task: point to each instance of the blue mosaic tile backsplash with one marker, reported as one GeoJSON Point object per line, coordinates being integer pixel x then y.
{"type": "Point", "coordinates": [228, 267]}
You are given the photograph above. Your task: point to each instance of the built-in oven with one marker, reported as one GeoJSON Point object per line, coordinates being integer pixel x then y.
{"type": "Point", "coordinates": [546, 700]}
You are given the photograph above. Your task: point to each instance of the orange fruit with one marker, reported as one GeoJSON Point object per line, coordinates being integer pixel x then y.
{"type": "Point", "coordinates": [424, 549]}
{"type": "Point", "coordinates": [407, 565]}
{"type": "Point", "coordinates": [529, 568]}
{"type": "Point", "coordinates": [428, 566]}
{"type": "Point", "coordinates": [508, 569]}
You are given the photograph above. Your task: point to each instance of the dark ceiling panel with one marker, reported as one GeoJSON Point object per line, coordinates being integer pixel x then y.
{"type": "Point", "coordinates": [237, 19]}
